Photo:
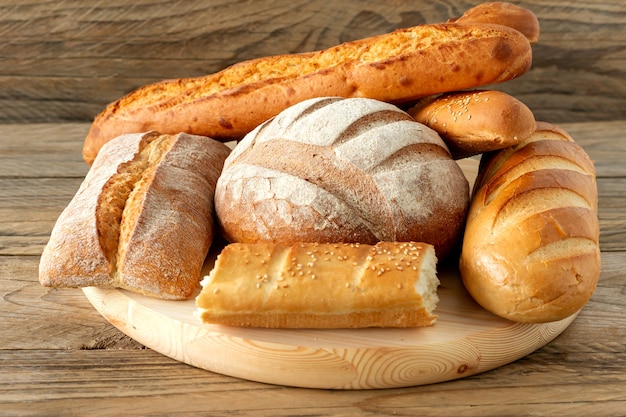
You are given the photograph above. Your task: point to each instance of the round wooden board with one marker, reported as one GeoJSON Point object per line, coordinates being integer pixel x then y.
{"type": "Point", "coordinates": [464, 341]}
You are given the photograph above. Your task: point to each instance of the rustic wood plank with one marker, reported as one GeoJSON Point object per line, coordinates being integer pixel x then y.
{"type": "Point", "coordinates": [41, 383]}
{"type": "Point", "coordinates": [68, 62]}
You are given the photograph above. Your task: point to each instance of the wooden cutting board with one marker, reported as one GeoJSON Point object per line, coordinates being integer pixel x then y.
{"type": "Point", "coordinates": [464, 341]}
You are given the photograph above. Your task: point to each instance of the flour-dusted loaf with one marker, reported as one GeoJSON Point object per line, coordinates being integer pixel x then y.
{"type": "Point", "coordinates": [477, 121]}
{"type": "Point", "coordinates": [342, 170]}
{"type": "Point", "coordinates": [309, 285]}
{"type": "Point", "coordinates": [142, 219]}
{"type": "Point", "coordinates": [531, 248]}
{"type": "Point", "coordinates": [397, 67]}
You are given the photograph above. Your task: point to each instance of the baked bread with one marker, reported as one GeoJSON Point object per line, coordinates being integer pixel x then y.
{"type": "Point", "coordinates": [505, 14]}
{"type": "Point", "coordinates": [141, 220]}
{"type": "Point", "coordinates": [397, 67]}
{"type": "Point", "coordinates": [531, 248]}
{"type": "Point", "coordinates": [475, 122]}
{"type": "Point", "coordinates": [342, 170]}
{"type": "Point", "coordinates": [322, 286]}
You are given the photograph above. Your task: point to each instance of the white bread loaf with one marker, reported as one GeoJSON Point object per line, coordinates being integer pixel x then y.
{"type": "Point", "coordinates": [141, 220]}
{"type": "Point", "coordinates": [531, 248]}
{"type": "Point", "coordinates": [324, 286]}
{"type": "Point", "coordinates": [342, 170]}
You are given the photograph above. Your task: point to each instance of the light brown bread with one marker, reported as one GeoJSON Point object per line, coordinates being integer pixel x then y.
{"type": "Point", "coordinates": [142, 219]}
{"type": "Point", "coordinates": [342, 170]}
{"type": "Point", "coordinates": [396, 67]}
{"type": "Point", "coordinates": [505, 14]}
{"type": "Point", "coordinates": [475, 122]}
{"type": "Point", "coordinates": [531, 248]}
{"type": "Point", "coordinates": [324, 286]}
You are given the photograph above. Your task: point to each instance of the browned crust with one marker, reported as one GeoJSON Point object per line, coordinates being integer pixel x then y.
{"type": "Point", "coordinates": [310, 285]}
{"type": "Point", "coordinates": [475, 122]}
{"type": "Point", "coordinates": [531, 247]}
{"type": "Point", "coordinates": [342, 170]}
{"type": "Point", "coordinates": [505, 14]}
{"type": "Point", "coordinates": [399, 66]}
{"type": "Point", "coordinates": [142, 219]}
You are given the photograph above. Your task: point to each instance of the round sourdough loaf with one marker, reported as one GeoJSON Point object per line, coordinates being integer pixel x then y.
{"type": "Point", "coordinates": [342, 170]}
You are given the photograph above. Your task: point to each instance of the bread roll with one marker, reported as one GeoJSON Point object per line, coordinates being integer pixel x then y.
{"type": "Point", "coordinates": [321, 286]}
{"type": "Point", "coordinates": [342, 170]}
{"type": "Point", "coordinates": [397, 67]}
{"type": "Point", "coordinates": [531, 247]}
{"type": "Point", "coordinates": [475, 122]}
{"type": "Point", "coordinates": [505, 14]}
{"type": "Point", "coordinates": [141, 220]}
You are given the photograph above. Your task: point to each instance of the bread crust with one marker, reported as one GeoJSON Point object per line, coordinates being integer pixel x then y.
{"type": "Point", "coordinates": [396, 67]}
{"type": "Point", "coordinates": [531, 248]}
{"type": "Point", "coordinates": [505, 14]}
{"type": "Point", "coordinates": [324, 286]}
{"type": "Point", "coordinates": [475, 122]}
{"type": "Point", "coordinates": [142, 219]}
{"type": "Point", "coordinates": [342, 170]}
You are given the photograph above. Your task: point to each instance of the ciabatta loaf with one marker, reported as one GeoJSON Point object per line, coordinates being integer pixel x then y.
{"type": "Point", "coordinates": [396, 67]}
{"type": "Point", "coordinates": [475, 122]}
{"type": "Point", "coordinates": [342, 170]}
{"type": "Point", "coordinates": [325, 286]}
{"type": "Point", "coordinates": [531, 247]}
{"type": "Point", "coordinates": [141, 220]}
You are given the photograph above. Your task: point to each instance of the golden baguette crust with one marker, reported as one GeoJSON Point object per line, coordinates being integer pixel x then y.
{"type": "Point", "coordinates": [397, 67]}
{"type": "Point", "coordinates": [475, 122]}
{"type": "Point", "coordinates": [531, 248]}
{"type": "Point", "coordinates": [142, 219]}
{"type": "Point", "coordinates": [309, 285]}
{"type": "Point", "coordinates": [505, 14]}
{"type": "Point", "coordinates": [336, 169]}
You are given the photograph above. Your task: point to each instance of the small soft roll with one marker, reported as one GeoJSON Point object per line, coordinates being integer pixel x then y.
{"type": "Point", "coordinates": [142, 219]}
{"type": "Point", "coordinates": [475, 122]}
{"type": "Point", "coordinates": [531, 248]}
{"type": "Point", "coordinates": [332, 169]}
{"type": "Point", "coordinates": [324, 286]}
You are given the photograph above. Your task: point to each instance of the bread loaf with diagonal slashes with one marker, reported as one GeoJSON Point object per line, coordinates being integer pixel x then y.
{"type": "Point", "coordinates": [342, 170]}
{"type": "Point", "coordinates": [141, 220]}
{"type": "Point", "coordinates": [531, 248]}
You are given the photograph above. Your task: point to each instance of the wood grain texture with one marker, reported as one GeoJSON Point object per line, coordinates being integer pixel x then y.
{"type": "Point", "coordinates": [65, 63]}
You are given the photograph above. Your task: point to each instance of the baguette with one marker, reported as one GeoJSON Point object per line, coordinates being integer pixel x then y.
{"type": "Point", "coordinates": [505, 14]}
{"type": "Point", "coordinates": [352, 170]}
{"type": "Point", "coordinates": [397, 67]}
{"type": "Point", "coordinates": [531, 248]}
{"type": "Point", "coordinates": [322, 286]}
{"type": "Point", "coordinates": [142, 219]}
{"type": "Point", "coordinates": [475, 122]}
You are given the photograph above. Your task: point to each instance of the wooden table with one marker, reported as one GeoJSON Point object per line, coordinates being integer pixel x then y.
{"type": "Point", "coordinates": [60, 357]}
{"type": "Point", "coordinates": [64, 62]}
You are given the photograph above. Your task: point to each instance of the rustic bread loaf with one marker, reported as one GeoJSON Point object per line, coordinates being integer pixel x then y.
{"type": "Point", "coordinates": [342, 170]}
{"type": "Point", "coordinates": [324, 286]}
{"type": "Point", "coordinates": [142, 219]}
{"type": "Point", "coordinates": [475, 122]}
{"type": "Point", "coordinates": [397, 67]}
{"type": "Point", "coordinates": [531, 250]}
